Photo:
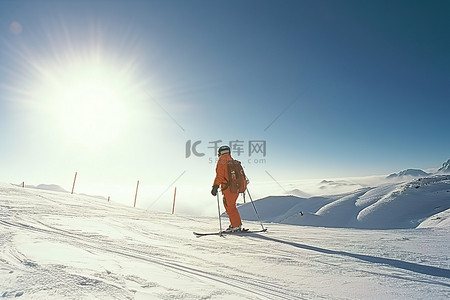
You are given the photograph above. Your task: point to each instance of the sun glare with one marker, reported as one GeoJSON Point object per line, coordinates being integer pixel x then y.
{"type": "Point", "coordinates": [81, 84]}
{"type": "Point", "coordinates": [89, 101]}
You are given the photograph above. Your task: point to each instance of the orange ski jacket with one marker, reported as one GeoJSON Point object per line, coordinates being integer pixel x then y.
{"type": "Point", "coordinates": [222, 170]}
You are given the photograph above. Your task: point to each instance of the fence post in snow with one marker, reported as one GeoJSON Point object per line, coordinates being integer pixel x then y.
{"type": "Point", "coordinates": [174, 195]}
{"type": "Point", "coordinates": [135, 197]}
{"type": "Point", "coordinates": [74, 179]}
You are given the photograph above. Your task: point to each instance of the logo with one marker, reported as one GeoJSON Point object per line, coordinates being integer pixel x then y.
{"type": "Point", "coordinates": [254, 151]}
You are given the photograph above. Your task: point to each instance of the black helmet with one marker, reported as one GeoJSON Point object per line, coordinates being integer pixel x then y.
{"type": "Point", "coordinates": [223, 149]}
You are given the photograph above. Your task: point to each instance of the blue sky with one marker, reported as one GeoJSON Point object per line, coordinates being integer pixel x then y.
{"type": "Point", "coordinates": [335, 88]}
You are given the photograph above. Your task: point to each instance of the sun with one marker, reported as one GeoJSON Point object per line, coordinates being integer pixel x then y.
{"type": "Point", "coordinates": [89, 100]}
{"type": "Point", "coordinates": [85, 87]}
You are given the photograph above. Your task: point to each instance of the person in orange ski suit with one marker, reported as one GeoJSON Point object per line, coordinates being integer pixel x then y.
{"type": "Point", "coordinates": [229, 198]}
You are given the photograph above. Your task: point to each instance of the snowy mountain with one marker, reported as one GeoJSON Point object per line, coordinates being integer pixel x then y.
{"type": "Point", "coordinates": [393, 205]}
{"type": "Point", "coordinates": [61, 246]}
{"type": "Point", "coordinates": [326, 184]}
{"type": "Point", "coordinates": [299, 193]}
{"type": "Point", "coordinates": [48, 187]}
{"type": "Point", "coordinates": [420, 173]}
{"type": "Point", "coordinates": [408, 172]}
{"type": "Point", "coordinates": [445, 167]}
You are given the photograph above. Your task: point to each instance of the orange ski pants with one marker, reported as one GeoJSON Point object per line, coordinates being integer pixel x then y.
{"type": "Point", "coordinates": [229, 201]}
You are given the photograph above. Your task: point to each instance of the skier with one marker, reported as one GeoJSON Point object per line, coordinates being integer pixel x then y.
{"type": "Point", "coordinates": [229, 198]}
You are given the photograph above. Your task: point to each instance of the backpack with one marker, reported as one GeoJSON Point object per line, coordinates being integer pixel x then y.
{"type": "Point", "coordinates": [237, 181]}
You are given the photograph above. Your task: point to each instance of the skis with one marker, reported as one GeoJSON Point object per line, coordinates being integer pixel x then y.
{"type": "Point", "coordinates": [242, 232]}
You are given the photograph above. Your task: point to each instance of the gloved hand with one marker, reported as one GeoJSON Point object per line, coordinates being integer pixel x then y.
{"type": "Point", "coordinates": [214, 190]}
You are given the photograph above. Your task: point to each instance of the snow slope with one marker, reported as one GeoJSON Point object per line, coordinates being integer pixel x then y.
{"type": "Point", "coordinates": [61, 246]}
{"type": "Point", "coordinates": [388, 206]}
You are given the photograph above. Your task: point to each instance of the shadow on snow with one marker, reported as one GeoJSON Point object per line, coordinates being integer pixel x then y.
{"type": "Point", "coordinates": [413, 267]}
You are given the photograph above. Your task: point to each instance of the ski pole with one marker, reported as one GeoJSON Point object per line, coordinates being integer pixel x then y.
{"type": "Point", "coordinates": [218, 209]}
{"type": "Point", "coordinates": [257, 215]}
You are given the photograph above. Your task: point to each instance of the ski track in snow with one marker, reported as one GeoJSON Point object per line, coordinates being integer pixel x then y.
{"type": "Point", "coordinates": [56, 245]}
{"type": "Point", "coordinates": [162, 256]}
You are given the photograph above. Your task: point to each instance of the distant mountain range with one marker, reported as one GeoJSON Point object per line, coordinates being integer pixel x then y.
{"type": "Point", "coordinates": [409, 172]}
{"type": "Point", "coordinates": [420, 173]}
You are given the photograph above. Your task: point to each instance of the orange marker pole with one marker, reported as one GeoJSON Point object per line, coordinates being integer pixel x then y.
{"type": "Point", "coordinates": [174, 195]}
{"type": "Point", "coordinates": [135, 197]}
{"type": "Point", "coordinates": [75, 178]}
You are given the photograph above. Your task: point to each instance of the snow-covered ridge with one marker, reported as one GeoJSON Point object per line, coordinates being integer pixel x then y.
{"type": "Point", "coordinates": [389, 206]}
{"type": "Point", "coordinates": [55, 188]}
{"type": "Point", "coordinates": [445, 167]}
{"type": "Point", "coordinates": [47, 187]}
